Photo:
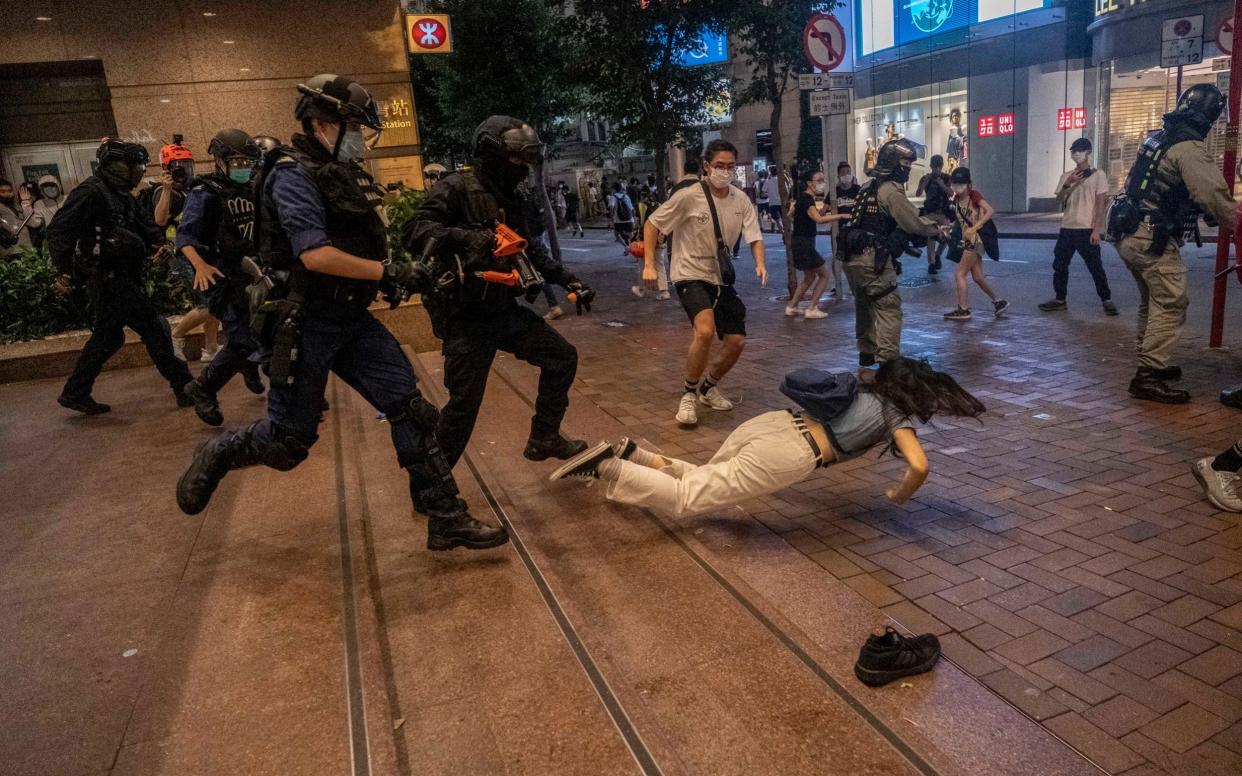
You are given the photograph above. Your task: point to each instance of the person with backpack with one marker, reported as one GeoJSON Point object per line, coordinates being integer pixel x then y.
{"type": "Point", "coordinates": [974, 235]}
{"type": "Point", "coordinates": [934, 187]}
{"type": "Point", "coordinates": [839, 420]}
{"type": "Point", "coordinates": [215, 235]}
{"type": "Point", "coordinates": [621, 211]}
{"type": "Point", "coordinates": [705, 219]}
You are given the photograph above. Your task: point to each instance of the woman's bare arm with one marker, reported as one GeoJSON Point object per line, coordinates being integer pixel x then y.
{"type": "Point", "coordinates": [916, 466]}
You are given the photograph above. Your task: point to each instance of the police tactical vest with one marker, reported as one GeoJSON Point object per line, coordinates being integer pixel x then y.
{"type": "Point", "coordinates": [353, 208]}
{"type": "Point", "coordinates": [235, 227]}
{"type": "Point", "coordinates": [1161, 194]}
{"type": "Point", "coordinates": [868, 216]}
{"type": "Point", "coordinates": [481, 206]}
{"type": "Point", "coordinates": [120, 212]}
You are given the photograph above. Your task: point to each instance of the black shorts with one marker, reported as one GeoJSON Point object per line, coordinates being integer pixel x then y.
{"type": "Point", "coordinates": [805, 257]}
{"type": "Point", "coordinates": [727, 307]}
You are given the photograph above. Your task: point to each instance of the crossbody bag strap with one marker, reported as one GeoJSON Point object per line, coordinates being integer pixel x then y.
{"type": "Point", "coordinates": [711, 206]}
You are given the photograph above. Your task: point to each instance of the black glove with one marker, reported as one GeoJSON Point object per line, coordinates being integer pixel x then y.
{"type": "Point", "coordinates": [579, 293]}
{"type": "Point", "coordinates": [402, 278]}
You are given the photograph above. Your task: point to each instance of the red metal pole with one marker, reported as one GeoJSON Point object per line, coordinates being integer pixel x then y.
{"type": "Point", "coordinates": [1231, 158]}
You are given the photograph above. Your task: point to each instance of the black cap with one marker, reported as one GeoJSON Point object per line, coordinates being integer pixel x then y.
{"type": "Point", "coordinates": [1081, 144]}
{"type": "Point", "coordinates": [960, 175]}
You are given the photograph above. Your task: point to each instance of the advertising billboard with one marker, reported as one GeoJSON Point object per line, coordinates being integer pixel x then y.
{"type": "Point", "coordinates": [883, 24]}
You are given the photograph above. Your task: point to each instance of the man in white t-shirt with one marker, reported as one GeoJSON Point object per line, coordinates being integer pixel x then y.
{"type": "Point", "coordinates": [1083, 194]}
{"type": "Point", "coordinates": [712, 306]}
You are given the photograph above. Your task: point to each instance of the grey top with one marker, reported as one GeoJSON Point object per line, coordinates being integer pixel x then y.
{"type": "Point", "coordinates": [864, 424]}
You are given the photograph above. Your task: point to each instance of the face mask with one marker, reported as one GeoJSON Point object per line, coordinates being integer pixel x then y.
{"type": "Point", "coordinates": [720, 178]}
{"type": "Point", "coordinates": [845, 180]}
{"type": "Point", "coordinates": [50, 192]}
{"type": "Point", "coordinates": [958, 188]}
{"type": "Point", "coordinates": [352, 146]}
{"type": "Point", "coordinates": [239, 174]}
{"type": "Point", "coordinates": [1080, 156]}
{"type": "Point", "coordinates": [136, 171]}
{"type": "Point", "coordinates": [820, 189]}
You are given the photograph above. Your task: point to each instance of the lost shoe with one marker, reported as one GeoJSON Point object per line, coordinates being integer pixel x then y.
{"type": "Point", "coordinates": [886, 658]}
{"type": "Point", "coordinates": [206, 406]}
{"type": "Point", "coordinates": [453, 526]}
{"type": "Point", "coordinates": [553, 447]}
{"type": "Point", "coordinates": [83, 404]}
{"type": "Point", "coordinates": [586, 464]}
{"type": "Point", "coordinates": [1219, 487]}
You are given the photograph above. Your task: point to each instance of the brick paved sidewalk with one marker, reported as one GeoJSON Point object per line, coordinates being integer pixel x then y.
{"type": "Point", "coordinates": [1061, 548]}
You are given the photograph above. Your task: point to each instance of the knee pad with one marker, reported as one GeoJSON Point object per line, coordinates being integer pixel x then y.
{"type": "Point", "coordinates": [285, 451]}
{"type": "Point", "coordinates": [419, 412]}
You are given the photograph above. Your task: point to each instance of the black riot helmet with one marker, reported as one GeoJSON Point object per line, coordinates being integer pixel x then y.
{"type": "Point", "coordinates": [893, 161]}
{"type": "Point", "coordinates": [338, 100]}
{"type": "Point", "coordinates": [1199, 107]}
{"type": "Point", "coordinates": [121, 164]}
{"type": "Point", "coordinates": [232, 143]}
{"type": "Point", "coordinates": [506, 148]}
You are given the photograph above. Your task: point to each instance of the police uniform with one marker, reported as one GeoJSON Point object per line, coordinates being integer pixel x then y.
{"type": "Point", "coordinates": [880, 209]}
{"type": "Point", "coordinates": [1173, 180]}
{"type": "Point", "coordinates": [107, 229]}
{"type": "Point", "coordinates": [308, 198]}
{"type": "Point", "coordinates": [476, 319]}
{"type": "Point", "coordinates": [218, 222]}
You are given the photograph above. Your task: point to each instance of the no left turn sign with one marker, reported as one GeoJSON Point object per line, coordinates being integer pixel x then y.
{"type": "Point", "coordinates": [823, 39]}
{"type": "Point", "coordinates": [1224, 35]}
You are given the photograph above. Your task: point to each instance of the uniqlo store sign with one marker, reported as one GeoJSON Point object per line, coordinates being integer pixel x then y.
{"type": "Point", "coordinates": [1071, 118]}
{"type": "Point", "coordinates": [989, 126]}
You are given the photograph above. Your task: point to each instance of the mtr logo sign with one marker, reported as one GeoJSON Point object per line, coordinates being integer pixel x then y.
{"type": "Point", "coordinates": [428, 33]}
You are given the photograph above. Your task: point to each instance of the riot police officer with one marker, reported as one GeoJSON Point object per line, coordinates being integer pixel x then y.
{"type": "Point", "coordinates": [883, 222]}
{"type": "Point", "coordinates": [216, 233]}
{"type": "Point", "coordinates": [103, 231]}
{"type": "Point", "coordinates": [1173, 180]}
{"type": "Point", "coordinates": [476, 317]}
{"type": "Point", "coordinates": [319, 224]}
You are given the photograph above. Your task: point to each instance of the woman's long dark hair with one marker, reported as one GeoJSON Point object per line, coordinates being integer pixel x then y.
{"type": "Point", "coordinates": [912, 388]}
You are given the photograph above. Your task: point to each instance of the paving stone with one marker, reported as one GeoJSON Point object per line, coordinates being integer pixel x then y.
{"type": "Point", "coordinates": [986, 611]}
{"type": "Point", "coordinates": [1020, 597]}
{"type": "Point", "coordinates": [1157, 697]}
{"type": "Point", "coordinates": [1021, 693]}
{"type": "Point", "coordinates": [986, 636]}
{"type": "Point", "coordinates": [1185, 610]}
{"type": "Point", "coordinates": [1108, 564]}
{"type": "Point", "coordinates": [996, 576]}
{"type": "Point", "coordinates": [1012, 556]}
{"type": "Point", "coordinates": [1119, 632]}
{"type": "Point", "coordinates": [1074, 601]}
{"type": "Point", "coordinates": [1120, 715]}
{"type": "Point", "coordinates": [1151, 587]}
{"type": "Point", "coordinates": [1101, 747]}
{"type": "Point", "coordinates": [1031, 647]}
{"type": "Point", "coordinates": [1184, 727]}
{"type": "Point", "coordinates": [1224, 705]}
{"type": "Point", "coordinates": [836, 564]}
{"type": "Point", "coordinates": [1230, 618]}
{"type": "Point", "coordinates": [1128, 606]}
{"type": "Point", "coordinates": [921, 586]}
{"type": "Point", "coordinates": [915, 619]}
{"type": "Point", "coordinates": [971, 659]}
{"type": "Point", "coordinates": [971, 591]}
{"type": "Point", "coordinates": [1072, 681]}
{"type": "Point", "coordinates": [1091, 653]}
{"type": "Point", "coordinates": [1055, 623]}
{"type": "Point", "coordinates": [1046, 579]}
{"type": "Point", "coordinates": [954, 616]}
{"type": "Point", "coordinates": [1214, 666]}
{"type": "Point", "coordinates": [1153, 658]}
{"type": "Point", "coordinates": [1177, 636]}
{"type": "Point", "coordinates": [878, 593]}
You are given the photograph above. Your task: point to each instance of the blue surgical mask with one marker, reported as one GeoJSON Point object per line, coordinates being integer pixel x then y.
{"type": "Point", "coordinates": [240, 174]}
{"type": "Point", "coordinates": [352, 146]}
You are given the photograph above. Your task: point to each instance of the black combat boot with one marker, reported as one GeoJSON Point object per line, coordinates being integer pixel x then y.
{"type": "Point", "coordinates": [1148, 385]}
{"type": "Point", "coordinates": [555, 446]}
{"type": "Point", "coordinates": [206, 406]}
{"type": "Point", "coordinates": [250, 376]}
{"type": "Point", "coordinates": [214, 459]}
{"type": "Point", "coordinates": [1232, 398]}
{"type": "Point", "coordinates": [866, 359]}
{"type": "Point", "coordinates": [450, 525]}
{"type": "Point", "coordinates": [183, 399]}
{"type": "Point", "coordinates": [1169, 373]}
{"type": "Point", "coordinates": [88, 406]}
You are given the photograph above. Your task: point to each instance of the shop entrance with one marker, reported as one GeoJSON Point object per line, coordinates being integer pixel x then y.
{"type": "Point", "coordinates": [71, 162]}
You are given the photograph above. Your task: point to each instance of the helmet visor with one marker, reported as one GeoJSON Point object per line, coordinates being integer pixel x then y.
{"type": "Point", "coordinates": [181, 169]}
{"type": "Point", "coordinates": [523, 152]}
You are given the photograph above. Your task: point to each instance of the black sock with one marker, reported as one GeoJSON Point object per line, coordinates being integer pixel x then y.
{"type": "Point", "coordinates": [708, 383]}
{"type": "Point", "coordinates": [691, 386]}
{"type": "Point", "coordinates": [1230, 460]}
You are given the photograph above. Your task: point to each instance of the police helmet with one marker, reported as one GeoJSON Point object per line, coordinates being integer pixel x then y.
{"type": "Point", "coordinates": [509, 139]}
{"type": "Point", "coordinates": [232, 143]}
{"type": "Point", "coordinates": [1202, 103]}
{"type": "Point", "coordinates": [113, 150]}
{"type": "Point", "coordinates": [335, 98]}
{"type": "Point", "coordinates": [889, 160]}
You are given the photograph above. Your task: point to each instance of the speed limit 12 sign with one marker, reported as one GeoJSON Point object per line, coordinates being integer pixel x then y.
{"type": "Point", "coordinates": [1181, 41]}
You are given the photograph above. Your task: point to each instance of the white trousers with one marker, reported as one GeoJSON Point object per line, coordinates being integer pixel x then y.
{"type": "Point", "coordinates": [763, 455]}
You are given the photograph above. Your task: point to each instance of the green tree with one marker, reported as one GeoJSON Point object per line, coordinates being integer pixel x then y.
{"type": "Point", "coordinates": [769, 41]}
{"type": "Point", "coordinates": [626, 66]}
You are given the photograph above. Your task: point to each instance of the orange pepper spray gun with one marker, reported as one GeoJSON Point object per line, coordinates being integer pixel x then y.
{"type": "Point", "coordinates": [512, 245]}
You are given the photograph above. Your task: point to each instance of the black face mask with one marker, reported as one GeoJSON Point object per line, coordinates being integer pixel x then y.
{"type": "Point", "coordinates": [8, 201]}
{"type": "Point", "coordinates": [116, 174]}
{"type": "Point", "coordinates": [505, 172]}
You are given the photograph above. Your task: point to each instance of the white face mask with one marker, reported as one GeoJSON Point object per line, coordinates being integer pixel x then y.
{"type": "Point", "coordinates": [959, 188]}
{"type": "Point", "coordinates": [353, 146]}
{"type": "Point", "coordinates": [820, 188]}
{"type": "Point", "coordinates": [845, 180]}
{"type": "Point", "coordinates": [720, 178]}
{"type": "Point", "coordinates": [1080, 156]}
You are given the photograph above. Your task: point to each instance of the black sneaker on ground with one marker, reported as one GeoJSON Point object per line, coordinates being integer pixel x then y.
{"type": "Point", "coordinates": [960, 314]}
{"type": "Point", "coordinates": [585, 464]}
{"type": "Point", "coordinates": [206, 406]}
{"type": "Point", "coordinates": [554, 447]}
{"type": "Point", "coordinates": [83, 404]}
{"type": "Point", "coordinates": [1052, 305]}
{"type": "Point", "coordinates": [1232, 398]}
{"type": "Point", "coordinates": [1000, 306]}
{"type": "Point", "coordinates": [886, 658]}
{"type": "Point", "coordinates": [624, 448]}
{"type": "Point", "coordinates": [1109, 307]}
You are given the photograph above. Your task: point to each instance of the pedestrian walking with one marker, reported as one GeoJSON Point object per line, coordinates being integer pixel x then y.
{"type": "Point", "coordinates": [1083, 195]}
{"type": "Point", "coordinates": [706, 219]}
{"type": "Point", "coordinates": [935, 189]}
{"type": "Point", "coordinates": [808, 215]}
{"type": "Point", "coordinates": [847, 193]}
{"type": "Point", "coordinates": [571, 210]}
{"type": "Point", "coordinates": [621, 213]}
{"type": "Point", "coordinates": [973, 236]}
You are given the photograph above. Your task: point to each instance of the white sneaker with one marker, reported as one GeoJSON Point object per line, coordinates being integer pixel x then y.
{"type": "Point", "coordinates": [686, 413]}
{"type": "Point", "coordinates": [664, 296]}
{"type": "Point", "coordinates": [814, 312]}
{"type": "Point", "coordinates": [637, 291]}
{"type": "Point", "coordinates": [791, 311]}
{"type": "Point", "coordinates": [554, 313]}
{"type": "Point", "coordinates": [178, 344]}
{"type": "Point", "coordinates": [715, 399]}
{"type": "Point", "coordinates": [1219, 487]}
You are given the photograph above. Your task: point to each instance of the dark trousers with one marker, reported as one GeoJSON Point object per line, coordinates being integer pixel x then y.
{"type": "Point", "coordinates": [119, 303]}
{"type": "Point", "coordinates": [1068, 241]}
{"type": "Point", "coordinates": [468, 358]}
{"type": "Point", "coordinates": [234, 357]}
